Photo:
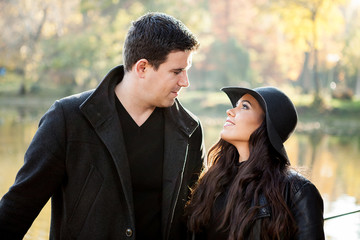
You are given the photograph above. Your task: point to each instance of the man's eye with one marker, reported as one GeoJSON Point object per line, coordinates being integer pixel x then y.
{"type": "Point", "coordinates": [177, 72]}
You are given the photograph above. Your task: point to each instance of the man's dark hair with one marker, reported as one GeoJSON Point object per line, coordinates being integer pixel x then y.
{"type": "Point", "coordinates": [153, 36]}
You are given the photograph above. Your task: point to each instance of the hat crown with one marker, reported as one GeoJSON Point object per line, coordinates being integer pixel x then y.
{"type": "Point", "coordinates": [280, 110]}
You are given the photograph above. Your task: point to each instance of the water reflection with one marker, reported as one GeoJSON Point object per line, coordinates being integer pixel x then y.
{"type": "Point", "coordinates": [330, 161]}
{"type": "Point", "coordinates": [17, 128]}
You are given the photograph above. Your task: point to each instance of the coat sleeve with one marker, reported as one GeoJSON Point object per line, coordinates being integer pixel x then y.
{"type": "Point", "coordinates": [308, 210]}
{"type": "Point", "coordinates": [39, 177]}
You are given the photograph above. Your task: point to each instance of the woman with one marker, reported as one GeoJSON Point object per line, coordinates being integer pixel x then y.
{"type": "Point", "coordinates": [249, 191]}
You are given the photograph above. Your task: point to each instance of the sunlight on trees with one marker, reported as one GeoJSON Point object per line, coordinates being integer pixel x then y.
{"type": "Point", "coordinates": [70, 45]}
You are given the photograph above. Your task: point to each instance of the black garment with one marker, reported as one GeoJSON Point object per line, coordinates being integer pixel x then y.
{"type": "Point", "coordinates": [303, 199]}
{"type": "Point", "coordinates": [211, 232]}
{"type": "Point", "coordinates": [145, 151]}
{"type": "Point", "coordinates": [78, 158]}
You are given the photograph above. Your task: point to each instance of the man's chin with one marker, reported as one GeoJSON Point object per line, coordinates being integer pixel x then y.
{"type": "Point", "coordinates": [167, 103]}
{"type": "Point", "coordinates": [171, 103]}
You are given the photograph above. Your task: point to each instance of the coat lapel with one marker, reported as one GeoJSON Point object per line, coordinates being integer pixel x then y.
{"type": "Point", "coordinates": [176, 147]}
{"type": "Point", "coordinates": [178, 128]}
{"type": "Point", "coordinates": [100, 110]}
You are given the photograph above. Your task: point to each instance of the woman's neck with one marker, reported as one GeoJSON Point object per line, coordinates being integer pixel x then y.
{"type": "Point", "coordinates": [243, 151]}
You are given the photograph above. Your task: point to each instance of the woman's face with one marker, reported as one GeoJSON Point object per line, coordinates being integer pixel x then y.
{"type": "Point", "coordinates": [242, 121]}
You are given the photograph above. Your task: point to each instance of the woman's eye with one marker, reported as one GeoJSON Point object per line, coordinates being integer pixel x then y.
{"type": "Point", "coordinates": [245, 106]}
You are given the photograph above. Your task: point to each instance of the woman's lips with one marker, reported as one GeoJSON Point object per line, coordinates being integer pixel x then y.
{"type": "Point", "coordinates": [229, 123]}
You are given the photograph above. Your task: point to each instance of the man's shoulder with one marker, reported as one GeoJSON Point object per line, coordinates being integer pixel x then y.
{"type": "Point", "coordinates": [75, 99]}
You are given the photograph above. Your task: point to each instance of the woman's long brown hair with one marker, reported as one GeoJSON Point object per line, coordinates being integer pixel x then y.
{"type": "Point", "coordinates": [263, 173]}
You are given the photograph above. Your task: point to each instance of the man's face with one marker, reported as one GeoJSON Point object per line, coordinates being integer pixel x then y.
{"type": "Point", "coordinates": [163, 85]}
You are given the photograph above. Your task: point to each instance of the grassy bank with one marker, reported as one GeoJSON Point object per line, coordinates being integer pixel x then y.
{"type": "Point", "coordinates": [206, 103]}
{"type": "Point", "coordinates": [337, 117]}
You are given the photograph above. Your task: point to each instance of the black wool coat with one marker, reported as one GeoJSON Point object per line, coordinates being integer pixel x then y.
{"type": "Point", "coordinates": [78, 158]}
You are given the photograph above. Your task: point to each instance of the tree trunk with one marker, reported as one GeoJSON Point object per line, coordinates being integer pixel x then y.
{"type": "Point", "coordinates": [304, 79]}
{"type": "Point", "coordinates": [22, 87]}
{"type": "Point", "coordinates": [317, 102]}
{"type": "Point", "coordinates": [315, 64]}
{"type": "Point", "coordinates": [357, 88]}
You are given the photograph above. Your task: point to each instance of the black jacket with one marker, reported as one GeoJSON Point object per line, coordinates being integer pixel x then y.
{"type": "Point", "coordinates": [305, 203]}
{"type": "Point", "coordinates": [78, 158]}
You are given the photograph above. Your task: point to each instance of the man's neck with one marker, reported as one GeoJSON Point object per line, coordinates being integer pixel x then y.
{"type": "Point", "coordinates": [130, 97]}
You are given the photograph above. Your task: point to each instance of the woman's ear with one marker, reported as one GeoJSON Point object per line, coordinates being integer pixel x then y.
{"type": "Point", "coordinates": [140, 67]}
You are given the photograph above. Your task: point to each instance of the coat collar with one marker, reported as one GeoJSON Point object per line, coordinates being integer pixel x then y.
{"type": "Point", "coordinates": [99, 107]}
{"type": "Point", "coordinates": [264, 210]}
{"type": "Point", "coordinates": [182, 118]}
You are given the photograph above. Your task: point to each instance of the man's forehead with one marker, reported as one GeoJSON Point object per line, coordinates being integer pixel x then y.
{"type": "Point", "coordinates": [179, 60]}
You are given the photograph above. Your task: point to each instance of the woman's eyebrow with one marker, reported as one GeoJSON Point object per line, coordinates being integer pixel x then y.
{"type": "Point", "coordinates": [242, 101]}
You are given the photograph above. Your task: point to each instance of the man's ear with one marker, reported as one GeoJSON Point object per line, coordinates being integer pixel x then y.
{"type": "Point", "coordinates": [140, 67]}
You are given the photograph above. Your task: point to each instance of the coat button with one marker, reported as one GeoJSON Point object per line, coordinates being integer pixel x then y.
{"type": "Point", "coordinates": [129, 232]}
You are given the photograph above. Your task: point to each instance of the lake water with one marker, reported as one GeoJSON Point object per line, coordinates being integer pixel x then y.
{"type": "Point", "coordinates": [331, 161]}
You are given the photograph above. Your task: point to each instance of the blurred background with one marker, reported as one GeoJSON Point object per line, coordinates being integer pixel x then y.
{"type": "Point", "coordinates": [309, 48]}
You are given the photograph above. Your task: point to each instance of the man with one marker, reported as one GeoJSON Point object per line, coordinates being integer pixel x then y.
{"type": "Point", "coordinates": [116, 161]}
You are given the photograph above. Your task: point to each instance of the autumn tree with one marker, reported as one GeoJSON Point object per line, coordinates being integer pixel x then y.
{"type": "Point", "coordinates": [351, 55]}
{"type": "Point", "coordinates": [21, 33]}
{"type": "Point", "coordinates": [308, 23]}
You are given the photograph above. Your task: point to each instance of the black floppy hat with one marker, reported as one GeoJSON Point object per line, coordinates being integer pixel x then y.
{"type": "Point", "coordinates": [280, 113]}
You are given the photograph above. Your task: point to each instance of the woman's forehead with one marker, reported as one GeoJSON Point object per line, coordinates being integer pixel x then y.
{"type": "Point", "coordinates": [248, 97]}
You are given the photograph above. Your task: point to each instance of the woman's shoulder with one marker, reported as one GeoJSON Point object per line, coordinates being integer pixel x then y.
{"type": "Point", "coordinates": [297, 184]}
{"type": "Point", "coordinates": [306, 205]}
{"type": "Point", "coordinates": [296, 179]}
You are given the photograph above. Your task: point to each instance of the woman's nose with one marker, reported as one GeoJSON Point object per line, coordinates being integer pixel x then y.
{"type": "Point", "coordinates": [230, 112]}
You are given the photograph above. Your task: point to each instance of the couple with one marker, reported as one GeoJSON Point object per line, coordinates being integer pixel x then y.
{"type": "Point", "coordinates": [118, 162]}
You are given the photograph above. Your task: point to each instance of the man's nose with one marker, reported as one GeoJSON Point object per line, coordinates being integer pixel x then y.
{"type": "Point", "coordinates": [184, 79]}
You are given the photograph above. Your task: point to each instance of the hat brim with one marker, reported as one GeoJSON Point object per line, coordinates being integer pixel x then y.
{"type": "Point", "coordinates": [235, 93]}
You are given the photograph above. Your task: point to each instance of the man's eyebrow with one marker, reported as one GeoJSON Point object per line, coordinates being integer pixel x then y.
{"type": "Point", "coordinates": [182, 69]}
{"type": "Point", "coordinates": [178, 69]}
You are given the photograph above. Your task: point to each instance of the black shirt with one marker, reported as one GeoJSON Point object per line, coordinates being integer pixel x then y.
{"type": "Point", "coordinates": [145, 152]}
